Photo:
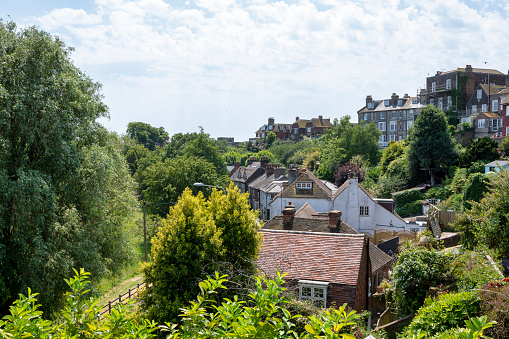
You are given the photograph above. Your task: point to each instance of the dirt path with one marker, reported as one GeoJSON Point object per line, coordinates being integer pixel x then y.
{"type": "Point", "coordinates": [121, 288]}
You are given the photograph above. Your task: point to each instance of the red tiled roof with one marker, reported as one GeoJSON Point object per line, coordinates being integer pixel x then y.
{"type": "Point", "coordinates": [330, 257]}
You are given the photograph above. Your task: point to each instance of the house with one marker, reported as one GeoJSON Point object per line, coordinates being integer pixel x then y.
{"type": "Point", "coordinates": [242, 176]}
{"type": "Point", "coordinates": [453, 89]}
{"type": "Point", "coordinates": [273, 172]}
{"type": "Point", "coordinates": [361, 211]}
{"type": "Point", "coordinates": [393, 117]}
{"type": "Point", "coordinates": [326, 268]}
{"type": "Point", "coordinates": [504, 111]}
{"type": "Point", "coordinates": [486, 98]}
{"type": "Point", "coordinates": [306, 219]}
{"type": "Point", "coordinates": [487, 124]}
{"type": "Point", "coordinates": [267, 194]}
{"type": "Point", "coordinates": [496, 165]}
{"type": "Point", "coordinates": [301, 127]}
{"type": "Point", "coordinates": [282, 131]}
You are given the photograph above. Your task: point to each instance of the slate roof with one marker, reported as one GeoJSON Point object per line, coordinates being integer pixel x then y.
{"type": "Point", "coordinates": [330, 257]}
{"type": "Point", "coordinates": [492, 89]}
{"type": "Point", "coordinates": [476, 70]}
{"type": "Point", "coordinates": [379, 106]}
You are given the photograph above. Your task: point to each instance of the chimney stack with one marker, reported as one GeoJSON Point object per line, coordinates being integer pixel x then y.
{"type": "Point", "coordinates": [278, 171]}
{"type": "Point", "coordinates": [369, 99]}
{"type": "Point", "coordinates": [251, 160]}
{"type": "Point", "coordinates": [468, 68]}
{"type": "Point", "coordinates": [394, 99]}
{"type": "Point", "coordinates": [334, 221]}
{"type": "Point", "coordinates": [271, 121]}
{"type": "Point", "coordinates": [264, 162]}
{"type": "Point", "coordinates": [288, 215]}
{"type": "Point", "coordinates": [236, 166]}
{"type": "Point", "coordinates": [292, 174]}
{"type": "Point", "coordinates": [269, 170]}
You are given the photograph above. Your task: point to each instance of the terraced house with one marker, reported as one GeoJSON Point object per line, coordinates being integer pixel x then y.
{"type": "Point", "coordinates": [301, 127]}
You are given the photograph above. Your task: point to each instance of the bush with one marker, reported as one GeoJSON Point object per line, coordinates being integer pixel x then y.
{"type": "Point", "coordinates": [475, 188]}
{"type": "Point", "coordinates": [495, 304]}
{"type": "Point", "coordinates": [448, 311]}
{"type": "Point", "coordinates": [472, 270]}
{"type": "Point", "coordinates": [410, 209]}
{"type": "Point", "coordinates": [408, 196]}
{"type": "Point", "coordinates": [438, 192]}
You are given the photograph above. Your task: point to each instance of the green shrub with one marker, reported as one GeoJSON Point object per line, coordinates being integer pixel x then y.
{"type": "Point", "coordinates": [410, 209]}
{"type": "Point", "coordinates": [439, 192]}
{"type": "Point", "coordinates": [495, 304]}
{"type": "Point", "coordinates": [448, 311]}
{"type": "Point", "coordinates": [408, 196]}
{"type": "Point", "coordinates": [472, 270]}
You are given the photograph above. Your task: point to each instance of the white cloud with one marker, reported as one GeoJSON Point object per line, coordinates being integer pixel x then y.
{"type": "Point", "coordinates": [303, 55]}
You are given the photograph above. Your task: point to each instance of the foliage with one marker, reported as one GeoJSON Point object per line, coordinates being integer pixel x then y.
{"type": "Point", "coordinates": [438, 192]}
{"type": "Point", "coordinates": [430, 144]}
{"type": "Point", "coordinates": [475, 188]}
{"type": "Point", "coordinates": [409, 209]}
{"type": "Point", "coordinates": [177, 143]}
{"type": "Point", "coordinates": [346, 140]}
{"type": "Point", "coordinates": [476, 167]}
{"type": "Point", "coordinates": [408, 196]}
{"type": "Point", "coordinates": [165, 181]}
{"type": "Point", "coordinates": [286, 151]}
{"type": "Point", "coordinates": [395, 150]}
{"type": "Point", "coordinates": [398, 168]}
{"type": "Point", "coordinates": [495, 305]}
{"type": "Point", "coordinates": [66, 190]}
{"type": "Point", "coordinates": [455, 202]}
{"type": "Point", "coordinates": [472, 270]}
{"type": "Point", "coordinates": [504, 147]}
{"type": "Point", "coordinates": [134, 155]}
{"type": "Point", "coordinates": [195, 239]}
{"type": "Point", "coordinates": [203, 146]}
{"type": "Point", "coordinates": [147, 135]}
{"type": "Point", "coordinates": [79, 319]}
{"type": "Point", "coordinates": [269, 139]}
{"type": "Point", "coordinates": [448, 311]}
{"type": "Point", "coordinates": [343, 172]}
{"type": "Point", "coordinates": [416, 270]}
{"type": "Point", "coordinates": [482, 149]}
{"type": "Point", "coordinates": [459, 180]}
{"type": "Point", "coordinates": [388, 185]}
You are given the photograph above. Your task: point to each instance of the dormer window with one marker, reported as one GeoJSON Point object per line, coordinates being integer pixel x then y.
{"type": "Point", "coordinates": [263, 128]}
{"type": "Point", "coordinates": [400, 102]}
{"type": "Point", "coordinates": [238, 175]}
{"type": "Point", "coordinates": [479, 94]}
{"type": "Point", "coordinates": [245, 176]}
{"type": "Point", "coordinates": [271, 127]}
{"type": "Point", "coordinates": [304, 185]}
{"type": "Point", "coordinates": [371, 105]}
{"type": "Point", "coordinates": [387, 102]}
{"type": "Point", "coordinates": [414, 101]}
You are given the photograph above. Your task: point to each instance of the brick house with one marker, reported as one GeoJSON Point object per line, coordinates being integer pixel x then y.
{"type": "Point", "coordinates": [327, 268]}
{"type": "Point", "coordinates": [273, 173]}
{"type": "Point", "coordinates": [242, 176]}
{"type": "Point", "coordinates": [504, 111]}
{"type": "Point", "coordinates": [282, 131]}
{"type": "Point", "coordinates": [301, 127]}
{"type": "Point", "coordinates": [487, 124]}
{"type": "Point", "coordinates": [393, 117]}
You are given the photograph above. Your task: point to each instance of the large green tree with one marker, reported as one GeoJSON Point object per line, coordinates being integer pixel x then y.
{"type": "Point", "coordinates": [431, 147]}
{"type": "Point", "coordinates": [147, 135]}
{"type": "Point", "coordinates": [65, 188]}
{"type": "Point", "coordinates": [196, 238]}
{"type": "Point", "coordinates": [482, 149]}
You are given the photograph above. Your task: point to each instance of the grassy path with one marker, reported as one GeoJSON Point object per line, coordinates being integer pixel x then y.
{"type": "Point", "coordinates": [119, 289]}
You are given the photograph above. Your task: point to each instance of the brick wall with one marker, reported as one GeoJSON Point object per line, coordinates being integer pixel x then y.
{"type": "Point", "coordinates": [339, 294]}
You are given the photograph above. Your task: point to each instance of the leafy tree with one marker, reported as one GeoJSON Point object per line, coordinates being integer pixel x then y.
{"type": "Point", "coordinates": [430, 144]}
{"type": "Point", "coordinates": [203, 146]}
{"type": "Point", "coordinates": [147, 135]}
{"type": "Point", "coordinates": [483, 149]}
{"type": "Point", "coordinates": [175, 146]}
{"type": "Point", "coordinates": [196, 238]}
{"type": "Point", "coordinates": [345, 141]}
{"type": "Point", "coordinates": [342, 175]}
{"type": "Point", "coordinates": [134, 155]}
{"type": "Point", "coordinates": [394, 151]}
{"type": "Point", "coordinates": [269, 139]}
{"type": "Point", "coordinates": [66, 190]}
{"type": "Point", "coordinates": [475, 188]}
{"type": "Point", "coordinates": [165, 181]}
{"type": "Point", "coordinates": [504, 147]}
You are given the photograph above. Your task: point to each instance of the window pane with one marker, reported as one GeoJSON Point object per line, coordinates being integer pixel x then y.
{"type": "Point", "coordinates": [318, 292]}
{"type": "Point", "coordinates": [306, 291]}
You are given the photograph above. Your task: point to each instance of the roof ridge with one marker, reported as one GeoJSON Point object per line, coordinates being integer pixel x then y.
{"type": "Point", "coordinates": [348, 235]}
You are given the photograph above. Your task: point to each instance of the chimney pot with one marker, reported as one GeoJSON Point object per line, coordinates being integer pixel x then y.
{"type": "Point", "coordinates": [288, 215]}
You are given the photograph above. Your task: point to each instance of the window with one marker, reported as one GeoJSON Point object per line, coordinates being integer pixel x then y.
{"type": "Point", "coordinates": [506, 130]}
{"type": "Point", "coordinates": [304, 185]}
{"type": "Point", "coordinates": [381, 126]}
{"type": "Point", "coordinates": [401, 125]}
{"type": "Point", "coordinates": [432, 102]}
{"type": "Point", "coordinates": [414, 101]}
{"type": "Point", "coordinates": [316, 291]}
{"type": "Point", "coordinates": [393, 137]}
{"type": "Point", "coordinates": [365, 116]}
{"type": "Point", "coordinates": [387, 102]}
{"type": "Point", "coordinates": [400, 102]}
{"type": "Point", "coordinates": [481, 123]}
{"type": "Point", "coordinates": [400, 138]}
{"type": "Point", "coordinates": [308, 129]}
{"type": "Point", "coordinates": [263, 128]}
{"type": "Point", "coordinates": [382, 115]}
{"type": "Point", "coordinates": [494, 105]}
{"type": "Point", "coordinates": [448, 84]}
{"type": "Point", "coordinates": [263, 135]}
{"type": "Point", "coordinates": [383, 138]}
{"type": "Point", "coordinates": [295, 130]}
{"type": "Point", "coordinates": [393, 114]}
{"type": "Point", "coordinates": [409, 124]}
{"type": "Point", "coordinates": [433, 86]}
{"type": "Point", "coordinates": [364, 211]}
{"type": "Point", "coordinates": [371, 105]}
{"type": "Point", "coordinates": [393, 125]}
{"type": "Point", "coordinates": [474, 109]}
{"type": "Point", "coordinates": [411, 113]}
{"type": "Point", "coordinates": [479, 94]}
{"type": "Point", "coordinates": [449, 102]}
{"type": "Point", "coordinates": [404, 114]}
{"type": "Point", "coordinates": [271, 127]}
{"type": "Point", "coordinates": [484, 108]}
{"type": "Point", "coordinates": [440, 106]}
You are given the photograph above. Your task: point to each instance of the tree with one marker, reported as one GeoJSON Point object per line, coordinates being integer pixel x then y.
{"type": "Point", "coordinates": [504, 147]}
{"type": "Point", "coordinates": [65, 188]}
{"type": "Point", "coordinates": [134, 155]}
{"type": "Point", "coordinates": [344, 171]}
{"type": "Point", "coordinates": [269, 139]}
{"type": "Point", "coordinates": [483, 149]}
{"type": "Point", "coordinates": [475, 188]}
{"type": "Point", "coordinates": [395, 150]}
{"type": "Point", "coordinates": [431, 147]}
{"type": "Point", "coordinates": [147, 135]}
{"type": "Point", "coordinates": [196, 237]}
{"type": "Point", "coordinates": [203, 146]}
{"type": "Point", "coordinates": [345, 141]}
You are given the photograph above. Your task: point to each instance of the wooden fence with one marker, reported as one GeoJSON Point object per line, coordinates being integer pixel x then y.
{"type": "Point", "coordinates": [444, 217]}
{"type": "Point", "coordinates": [122, 298]}
{"type": "Point", "coordinates": [384, 234]}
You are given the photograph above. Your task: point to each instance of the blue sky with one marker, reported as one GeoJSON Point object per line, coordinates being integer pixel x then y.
{"type": "Point", "coordinates": [228, 65]}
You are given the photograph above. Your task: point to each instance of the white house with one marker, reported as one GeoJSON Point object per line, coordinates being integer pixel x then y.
{"type": "Point", "coordinates": [360, 210]}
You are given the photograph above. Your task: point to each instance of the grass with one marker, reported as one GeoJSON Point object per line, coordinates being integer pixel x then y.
{"type": "Point", "coordinates": [112, 287]}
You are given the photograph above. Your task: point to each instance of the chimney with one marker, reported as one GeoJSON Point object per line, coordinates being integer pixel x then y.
{"type": "Point", "coordinates": [251, 160]}
{"type": "Point", "coordinates": [271, 121]}
{"type": "Point", "coordinates": [394, 99]}
{"type": "Point", "coordinates": [321, 119]}
{"type": "Point", "coordinates": [468, 68]}
{"type": "Point", "coordinates": [406, 96]}
{"type": "Point", "coordinates": [288, 215]}
{"type": "Point", "coordinates": [278, 171]}
{"type": "Point", "coordinates": [269, 170]}
{"type": "Point", "coordinates": [292, 174]}
{"type": "Point", "coordinates": [296, 118]}
{"type": "Point", "coordinates": [264, 162]}
{"type": "Point", "coordinates": [236, 166]}
{"type": "Point", "coordinates": [334, 221]}
{"type": "Point", "coordinates": [369, 99]}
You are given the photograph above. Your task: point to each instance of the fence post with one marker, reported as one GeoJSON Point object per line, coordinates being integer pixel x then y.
{"type": "Point", "coordinates": [119, 298]}
{"type": "Point", "coordinates": [129, 294]}
{"type": "Point", "coordinates": [109, 306]}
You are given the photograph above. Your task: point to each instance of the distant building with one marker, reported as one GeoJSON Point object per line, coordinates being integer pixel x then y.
{"type": "Point", "coordinates": [301, 127]}
{"type": "Point", "coordinates": [393, 117]}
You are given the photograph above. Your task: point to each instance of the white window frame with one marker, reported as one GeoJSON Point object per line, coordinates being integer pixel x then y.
{"type": "Point", "coordinates": [304, 185]}
{"type": "Point", "coordinates": [365, 116]}
{"type": "Point", "coordinates": [432, 102]}
{"type": "Point", "coordinates": [479, 94]}
{"type": "Point", "coordinates": [507, 130]}
{"type": "Point", "coordinates": [382, 115]}
{"type": "Point", "coordinates": [392, 137]}
{"type": "Point", "coordinates": [387, 102]}
{"type": "Point", "coordinates": [371, 105]}
{"type": "Point", "coordinates": [393, 126]}
{"type": "Point", "coordinates": [383, 139]}
{"type": "Point", "coordinates": [449, 102]}
{"type": "Point", "coordinates": [364, 211]}
{"type": "Point", "coordinates": [494, 105]}
{"type": "Point", "coordinates": [411, 113]}
{"type": "Point", "coordinates": [474, 109]}
{"type": "Point", "coordinates": [400, 102]}
{"type": "Point", "coordinates": [381, 126]}
{"type": "Point", "coordinates": [481, 123]}
{"type": "Point", "coordinates": [484, 108]}
{"type": "Point", "coordinates": [440, 103]}
{"type": "Point", "coordinates": [448, 84]}
{"type": "Point", "coordinates": [409, 124]}
{"type": "Point", "coordinates": [414, 101]}
{"type": "Point", "coordinates": [314, 288]}
{"type": "Point", "coordinates": [308, 129]}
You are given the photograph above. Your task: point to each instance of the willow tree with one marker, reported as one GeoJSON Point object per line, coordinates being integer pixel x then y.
{"type": "Point", "coordinates": [65, 190]}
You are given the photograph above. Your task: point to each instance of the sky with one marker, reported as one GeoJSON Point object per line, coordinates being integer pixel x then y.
{"type": "Point", "coordinates": [229, 65]}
